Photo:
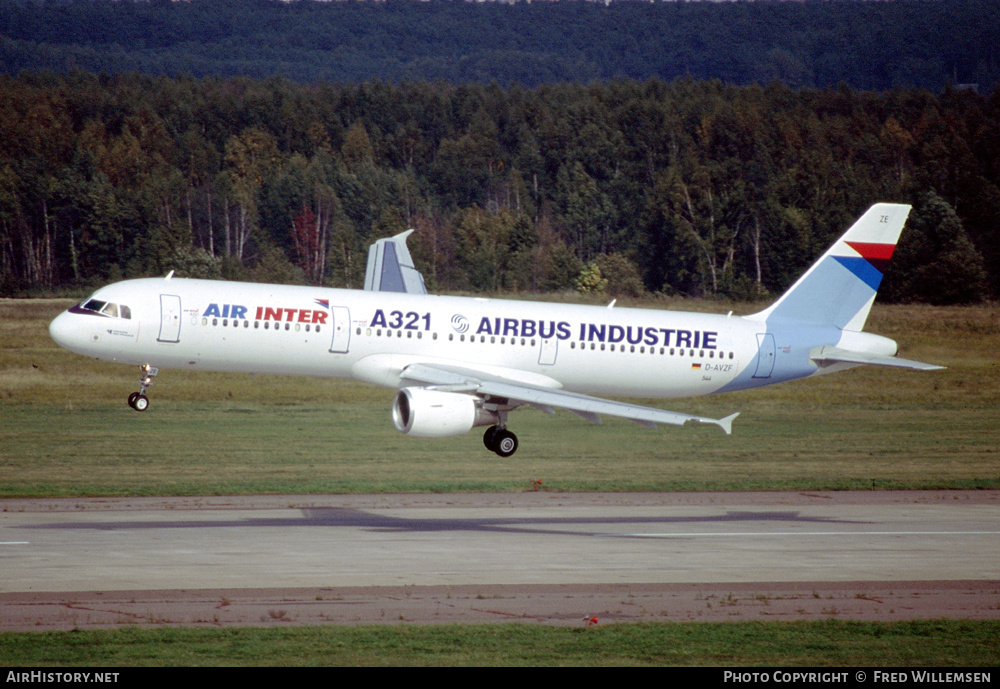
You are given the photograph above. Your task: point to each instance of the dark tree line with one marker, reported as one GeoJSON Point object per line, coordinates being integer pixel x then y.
{"type": "Point", "coordinates": [815, 43]}
{"type": "Point", "coordinates": [686, 187]}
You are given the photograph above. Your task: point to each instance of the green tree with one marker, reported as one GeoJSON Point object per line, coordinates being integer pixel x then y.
{"type": "Point", "coordinates": [708, 212]}
{"type": "Point", "coordinates": [251, 158]}
{"type": "Point", "coordinates": [935, 262]}
{"type": "Point", "coordinates": [587, 211]}
{"type": "Point", "coordinates": [485, 241]}
{"type": "Point", "coordinates": [621, 274]}
{"type": "Point", "coordinates": [590, 279]}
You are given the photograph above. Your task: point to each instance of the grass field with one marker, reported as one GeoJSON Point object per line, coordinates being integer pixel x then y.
{"type": "Point", "coordinates": [66, 430]}
{"type": "Point", "coordinates": [935, 643]}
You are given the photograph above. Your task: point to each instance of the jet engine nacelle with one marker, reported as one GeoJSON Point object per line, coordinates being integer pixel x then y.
{"type": "Point", "coordinates": [435, 414]}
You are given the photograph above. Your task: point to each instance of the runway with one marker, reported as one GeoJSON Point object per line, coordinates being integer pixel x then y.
{"type": "Point", "coordinates": [546, 557]}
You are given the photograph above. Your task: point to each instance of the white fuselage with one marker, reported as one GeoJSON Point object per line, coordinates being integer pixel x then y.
{"type": "Point", "coordinates": [372, 336]}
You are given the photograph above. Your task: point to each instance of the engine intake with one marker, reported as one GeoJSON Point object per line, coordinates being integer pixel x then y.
{"type": "Point", "coordinates": [435, 414]}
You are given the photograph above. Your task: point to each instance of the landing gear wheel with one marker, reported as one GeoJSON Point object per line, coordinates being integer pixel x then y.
{"type": "Point", "coordinates": [488, 438]}
{"type": "Point", "coordinates": [504, 442]}
{"type": "Point", "coordinates": [138, 400]}
{"type": "Point", "coordinates": [500, 441]}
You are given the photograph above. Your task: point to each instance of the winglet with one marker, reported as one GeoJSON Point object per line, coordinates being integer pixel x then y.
{"type": "Point", "coordinates": [725, 424]}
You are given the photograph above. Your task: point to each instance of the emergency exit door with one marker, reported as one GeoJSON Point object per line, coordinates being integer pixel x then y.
{"type": "Point", "coordinates": [765, 355]}
{"type": "Point", "coordinates": [170, 318]}
{"type": "Point", "coordinates": [341, 330]}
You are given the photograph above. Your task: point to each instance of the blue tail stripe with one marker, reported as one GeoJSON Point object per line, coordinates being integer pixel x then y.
{"type": "Point", "coordinates": [861, 269]}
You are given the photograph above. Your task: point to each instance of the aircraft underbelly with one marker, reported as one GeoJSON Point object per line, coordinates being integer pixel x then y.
{"type": "Point", "coordinates": [240, 350]}
{"type": "Point", "coordinates": [646, 375]}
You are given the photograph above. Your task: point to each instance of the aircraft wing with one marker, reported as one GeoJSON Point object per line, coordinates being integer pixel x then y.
{"type": "Point", "coordinates": [494, 387]}
{"type": "Point", "coordinates": [390, 267]}
{"type": "Point", "coordinates": [833, 355]}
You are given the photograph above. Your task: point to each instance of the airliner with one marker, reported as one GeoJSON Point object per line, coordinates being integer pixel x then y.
{"type": "Point", "coordinates": [458, 363]}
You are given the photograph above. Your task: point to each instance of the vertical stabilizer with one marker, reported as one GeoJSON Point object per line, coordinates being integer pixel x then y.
{"type": "Point", "coordinates": [840, 287]}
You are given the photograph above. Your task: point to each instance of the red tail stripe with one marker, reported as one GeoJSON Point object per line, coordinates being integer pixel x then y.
{"type": "Point", "coordinates": [873, 252]}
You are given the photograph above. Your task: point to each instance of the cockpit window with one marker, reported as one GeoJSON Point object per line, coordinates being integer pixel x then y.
{"type": "Point", "coordinates": [107, 308]}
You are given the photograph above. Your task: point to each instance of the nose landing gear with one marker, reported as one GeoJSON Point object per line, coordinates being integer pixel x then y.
{"type": "Point", "coordinates": [138, 400]}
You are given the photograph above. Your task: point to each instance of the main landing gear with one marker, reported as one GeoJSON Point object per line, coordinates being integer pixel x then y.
{"type": "Point", "coordinates": [138, 400]}
{"type": "Point", "coordinates": [498, 439]}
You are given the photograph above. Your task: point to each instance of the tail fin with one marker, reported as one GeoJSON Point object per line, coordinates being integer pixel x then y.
{"type": "Point", "coordinates": [840, 287]}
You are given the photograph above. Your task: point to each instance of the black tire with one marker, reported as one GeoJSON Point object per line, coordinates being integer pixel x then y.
{"type": "Point", "coordinates": [488, 438]}
{"type": "Point", "coordinates": [504, 443]}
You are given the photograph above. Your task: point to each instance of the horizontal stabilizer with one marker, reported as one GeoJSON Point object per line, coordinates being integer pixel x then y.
{"type": "Point", "coordinates": [827, 356]}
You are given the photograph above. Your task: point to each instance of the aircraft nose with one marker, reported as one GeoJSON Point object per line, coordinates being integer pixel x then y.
{"type": "Point", "coordinates": [62, 330]}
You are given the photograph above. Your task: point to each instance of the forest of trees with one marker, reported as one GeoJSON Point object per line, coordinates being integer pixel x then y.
{"type": "Point", "coordinates": [810, 43]}
{"type": "Point", "coordinates": [687, 187]}
{"type": "Point", "coordinates": [684, 148]}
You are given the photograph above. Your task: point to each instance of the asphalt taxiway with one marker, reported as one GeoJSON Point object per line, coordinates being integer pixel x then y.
{"type": "Point", "coordinates": [547, 557]}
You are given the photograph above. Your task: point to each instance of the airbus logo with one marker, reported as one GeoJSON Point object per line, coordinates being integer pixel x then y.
{"type": "Point", "coordinates": [459, 323]}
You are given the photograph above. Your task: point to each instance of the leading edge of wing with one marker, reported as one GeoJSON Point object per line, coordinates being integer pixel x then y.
{"type": "Point", "coordinates": [472, 382]}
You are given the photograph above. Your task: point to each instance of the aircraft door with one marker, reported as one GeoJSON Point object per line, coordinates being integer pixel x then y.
{"type": "Point", "coordinates": [170, 318]}
{"type": "Point", "coordinates": [765, 355]}
{"type": "Point", "coordinates": [341, 330]}
{"type": "Point", "coordinates": [550, 347]}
